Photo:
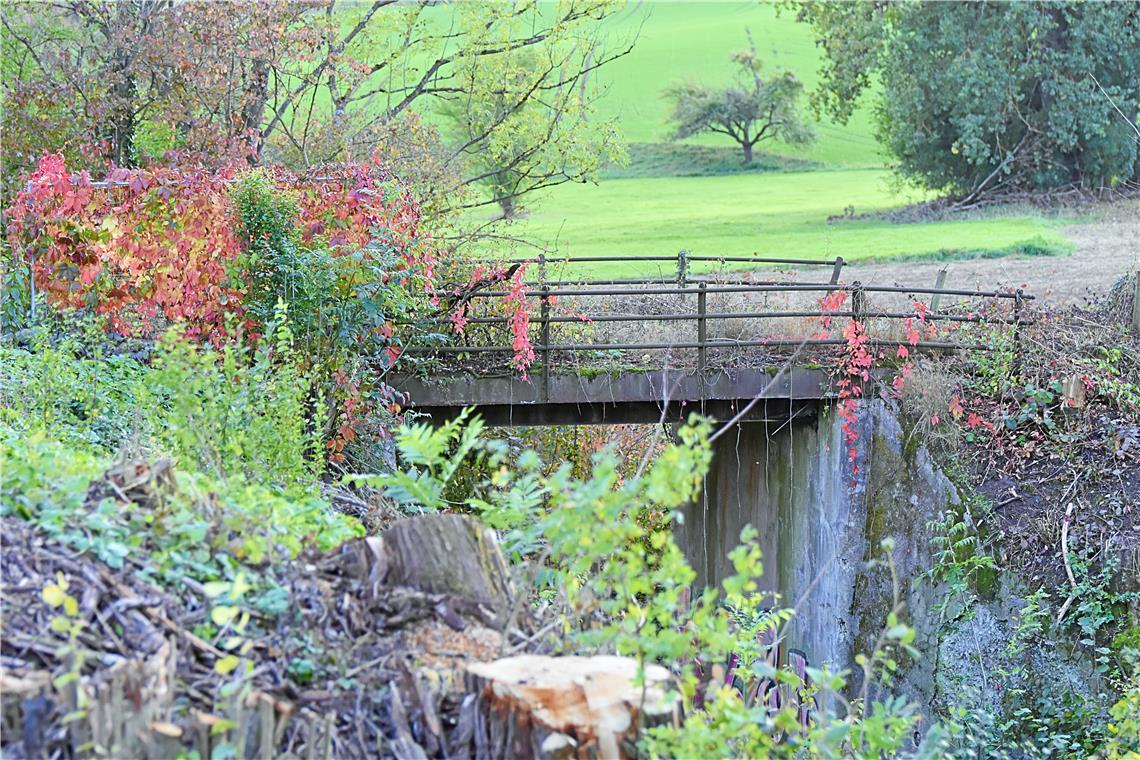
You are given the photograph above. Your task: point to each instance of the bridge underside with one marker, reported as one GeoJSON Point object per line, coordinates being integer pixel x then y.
{"type": "Point", "coordinates": [621, 397]}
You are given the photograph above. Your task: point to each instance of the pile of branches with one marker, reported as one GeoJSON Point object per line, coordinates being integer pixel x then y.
{"type": "Point", "coordinates": [356, 667]}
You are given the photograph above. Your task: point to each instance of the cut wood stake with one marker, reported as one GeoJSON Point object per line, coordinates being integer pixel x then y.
{"type": "Point", "coordinates": [1065, 557]}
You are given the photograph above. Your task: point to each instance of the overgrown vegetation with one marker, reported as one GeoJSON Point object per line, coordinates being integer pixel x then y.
{"type": "Point", "coordinates": [197, 417]}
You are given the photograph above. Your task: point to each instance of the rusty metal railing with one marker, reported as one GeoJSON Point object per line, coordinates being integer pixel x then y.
{"type": "Point", "coordinates": [686, 286]}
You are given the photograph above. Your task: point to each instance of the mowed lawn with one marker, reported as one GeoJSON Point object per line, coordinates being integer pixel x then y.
{"type": "Point", "coordinates": [783, 215]}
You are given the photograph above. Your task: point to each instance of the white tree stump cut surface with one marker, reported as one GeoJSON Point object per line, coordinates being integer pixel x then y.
{"type": "Point", "coordinates": [563, 707]}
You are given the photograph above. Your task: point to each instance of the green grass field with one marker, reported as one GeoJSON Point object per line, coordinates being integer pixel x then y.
{"type": "Point", "coordinates": [683, 40]}
{"type": "Point", "coordinates": [695, 195]}
{"type": "Point", "coordinates": [783, 215]}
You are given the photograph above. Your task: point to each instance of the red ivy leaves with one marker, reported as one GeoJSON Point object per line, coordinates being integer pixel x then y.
{"type": "Point", "coordinates": [152, 246]}
{"type": "Point", "coordinates": [519, 322]}
{"type": "Point", "coordinates": [857, 359]}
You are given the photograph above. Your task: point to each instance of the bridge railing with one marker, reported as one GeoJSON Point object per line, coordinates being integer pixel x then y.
{"type": "Point", "coordinates": [688, 287]}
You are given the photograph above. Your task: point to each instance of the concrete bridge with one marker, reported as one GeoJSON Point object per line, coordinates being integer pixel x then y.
{"type": "Point", "coordinates": [784, 467]}
{"type": "Point", "coordinates": [617, 396]}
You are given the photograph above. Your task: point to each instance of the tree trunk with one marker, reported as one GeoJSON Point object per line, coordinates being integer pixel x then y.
{"type": "Point", "coordinates": [747, 146]}
{"type": "Point", "coordinates": [121, 129]}
{"type": "Point", "coordinates": [560, 707]}
{"type": "Point", "coordinates": [507, 205]}
{"type": "Point", "coordinates": [253, 107]}
{"type": "Point", "coordinates": [448, 554]}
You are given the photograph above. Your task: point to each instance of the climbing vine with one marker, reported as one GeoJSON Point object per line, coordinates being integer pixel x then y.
{"type": "Point", "coordinates": [858, 356]}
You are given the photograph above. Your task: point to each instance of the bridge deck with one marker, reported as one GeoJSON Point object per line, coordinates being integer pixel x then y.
{"type": "Point", "coordinates": [621, 397]}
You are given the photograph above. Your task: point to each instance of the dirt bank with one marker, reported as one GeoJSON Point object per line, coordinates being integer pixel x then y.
{"type": "Point", "coordinates": [1106, 247]}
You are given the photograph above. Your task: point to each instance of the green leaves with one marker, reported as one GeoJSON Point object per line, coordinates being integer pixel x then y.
{"type": "Point", "coordinates": [436, 455]}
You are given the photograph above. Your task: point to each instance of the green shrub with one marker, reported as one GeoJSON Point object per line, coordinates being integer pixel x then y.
{"type": "Point", "coordinates": [64, 387]}
{"type": "Point", "coordinates": [194, 527]}
{"type": "Point", "coordinates": [231, 412]}
{"type": "Point", "coordinates": [346, 310]}
{"type": "Point", "coordinates": [275, 265]}
{"type": "Point", "coordinates": [237, 412]}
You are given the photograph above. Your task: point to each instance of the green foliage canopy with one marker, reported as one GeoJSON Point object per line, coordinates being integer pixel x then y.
{"type": "Point", "coordinates": [984, 97]}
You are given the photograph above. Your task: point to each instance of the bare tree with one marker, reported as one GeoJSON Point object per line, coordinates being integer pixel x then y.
{"type": "Point", "coordinates": [511, 79]}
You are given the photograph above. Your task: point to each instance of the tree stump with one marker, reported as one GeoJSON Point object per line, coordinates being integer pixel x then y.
{"type": "Point", "coordinates": [561, 707]}
{"type": "Point", "coordinates": [448, 554]}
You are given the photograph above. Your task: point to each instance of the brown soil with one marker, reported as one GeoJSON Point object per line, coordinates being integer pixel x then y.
{"type": "Point", "coordinates": [1106, 247]}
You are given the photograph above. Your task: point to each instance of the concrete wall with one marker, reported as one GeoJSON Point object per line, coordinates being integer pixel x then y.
{"type": "Point", "coordinates": [821, 518]}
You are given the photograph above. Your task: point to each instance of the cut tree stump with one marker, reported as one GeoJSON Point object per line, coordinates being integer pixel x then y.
{"type": "Point", "coordinates": [561, 707]}
{"type": "Point", "coordinates": [448, 554]}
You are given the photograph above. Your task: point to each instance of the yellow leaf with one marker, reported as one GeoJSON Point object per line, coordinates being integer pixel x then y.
{"type": "Point", "coordinates": [53, 595]}
{"type": "Point", "coordinates": [226, 665]}
{"type": "Point", "coordinates": [223, 615]}
{"type": "Point", "coordinates": [240, 586]}
{"type": "Point", "coordinates": [70, 606]}
{"type": "Point", "coordinates": [215, 589]}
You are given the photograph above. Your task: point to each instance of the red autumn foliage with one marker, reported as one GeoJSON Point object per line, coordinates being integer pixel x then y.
{"type": "Point", "coordinates": [150, 247]}
{"type": "Point", "coordinates": [857, 359]}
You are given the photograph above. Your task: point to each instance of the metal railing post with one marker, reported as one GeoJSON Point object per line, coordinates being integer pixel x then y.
{"type": "Point", "coordinates": [859, 304]}
{"type": "Point", "coordinates": [702, 327]}
{"type": "Point", "coordinates": [859, 314]}
{"type": "Point", "coordinates": [542, 268]}
{"type": "Point", "coordinates": [544, 317]}
{"type": "Point", "coordinates": [837, 269]}
{"type": "Point", "coordinates": [32, 287]}
{"type": "Point", "coordinates": [1017, 333]}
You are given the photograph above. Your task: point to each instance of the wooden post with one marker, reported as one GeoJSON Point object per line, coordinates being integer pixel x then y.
{"type": "Point", "coordinates": [702, 327]}
{"type": "Point", "coordinates": [1136, 303]}
{"type": "Point", "coordinates": [682, 268]}
{"type": "Point", "coordinates": [837, 270]}
{"type": "Point", "coordinates": [938, 283]}
{"type": "Point", "coordinates": [544, 316]}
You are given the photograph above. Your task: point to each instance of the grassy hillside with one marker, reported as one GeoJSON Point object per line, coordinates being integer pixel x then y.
{"type": "Point", "coordinates": [776, 215]}
{"type": "Point", "coordinates": [685, 40]}
{"type": "Point", "coordinates": [695, 195]}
